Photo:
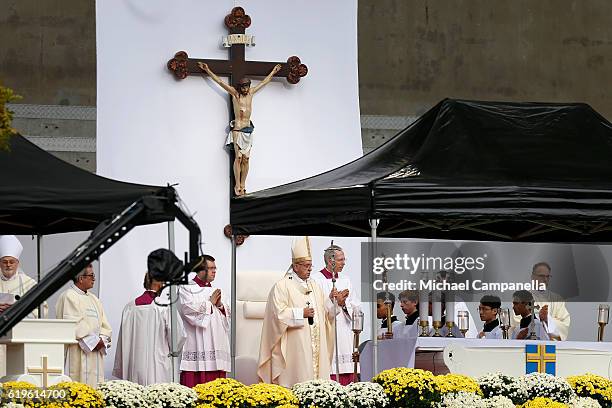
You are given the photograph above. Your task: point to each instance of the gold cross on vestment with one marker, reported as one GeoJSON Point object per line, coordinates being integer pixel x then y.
{"type": "Point", "coordinates": [44, 371]}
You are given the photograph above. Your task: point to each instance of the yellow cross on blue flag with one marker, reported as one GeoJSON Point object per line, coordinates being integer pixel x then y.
{"type": "Point", "coordinates": [540, 358]}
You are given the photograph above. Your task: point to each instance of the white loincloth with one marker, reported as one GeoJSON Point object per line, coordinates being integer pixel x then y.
{"type": "Point", "coordinates": [244, 141]}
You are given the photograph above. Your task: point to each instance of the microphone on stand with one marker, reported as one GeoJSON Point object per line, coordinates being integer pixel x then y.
{"type": "Point", "coordinates": [310, 319]}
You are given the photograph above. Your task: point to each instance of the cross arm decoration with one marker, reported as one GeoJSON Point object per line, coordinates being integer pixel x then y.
{"type": "Point", "coordinates": [237, 67]}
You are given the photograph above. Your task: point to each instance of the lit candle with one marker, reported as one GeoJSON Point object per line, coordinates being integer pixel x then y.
{"type": "Point", "coordinates": [504, 317]}
{"type": "Point", "coordinates": [357, 320]}
{"type": "Point", "coordinates": [603, 314]}
{"type": "Point", "coordinates": [463, 320]}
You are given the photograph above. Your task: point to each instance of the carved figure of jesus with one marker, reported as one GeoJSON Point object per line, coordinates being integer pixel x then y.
{"type": "Point", "coordinates": [241, 127]}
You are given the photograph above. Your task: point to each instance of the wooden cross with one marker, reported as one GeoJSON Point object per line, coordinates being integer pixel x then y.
{"type": "Point", "coordinates": [237, 67]}
{"type": "Point", "coordinates": [45, 370]}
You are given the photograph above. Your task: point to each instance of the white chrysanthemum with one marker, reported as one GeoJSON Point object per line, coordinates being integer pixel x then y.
{"type": "Point", "coordinates": [584, 402]}
{"type": "Point", "coordinates": [498, 401]}
{"type": "Point", "coordinates": [121, 393]}
{"type": "Point", "coordinates": [461, 399]}
{"type": "Point", "coordinates": [367, 395]}
{"type": "Point", "coordinates": [170, 395]}
{"type": "Point", "coordinates": [547, 386]}
{"type": "Point", "coordinates": [498, 384]}
{"type": "Point", "coordinates": [322, 394]}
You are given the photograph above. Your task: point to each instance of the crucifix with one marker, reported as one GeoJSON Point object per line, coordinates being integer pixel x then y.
{"type": "Point", "coordinates": [44, 371]}
{"type": "Point", "coordinates": [238, 70]}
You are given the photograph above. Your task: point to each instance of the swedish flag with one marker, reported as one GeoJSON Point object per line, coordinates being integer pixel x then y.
{"type": "Point", "coordinates": [540, 358]}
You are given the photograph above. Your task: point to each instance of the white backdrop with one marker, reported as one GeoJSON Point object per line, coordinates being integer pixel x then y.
{"type": "Point", "coordinates": [154, 129]}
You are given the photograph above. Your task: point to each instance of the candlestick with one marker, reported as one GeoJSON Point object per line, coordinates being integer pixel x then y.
{"type": "Point", "coordinates": [463, 321]}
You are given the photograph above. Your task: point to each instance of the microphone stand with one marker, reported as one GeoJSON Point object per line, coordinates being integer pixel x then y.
{"type": "Point", "coordinates": [334, 277]}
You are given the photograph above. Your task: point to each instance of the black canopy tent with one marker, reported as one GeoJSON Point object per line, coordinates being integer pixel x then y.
{"type": "Point", "coordinates": [41, 194]}
{"type": "Point", "coordinates": [464, 170]}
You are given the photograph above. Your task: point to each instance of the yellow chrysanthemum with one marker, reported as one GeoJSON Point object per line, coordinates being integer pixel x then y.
{"type": "Point", "coordinates": [263, 395]}
{"type": "Point", "coordinates": [593, 386]}
{"type": "Point", "coordinates": [221, 393]}
{"type": "Point", "coordinates": [540, 402]}
{"type": "Point", "coordinates": [457, 382]}
{"type": "Point", "coordinates": [77, 395]}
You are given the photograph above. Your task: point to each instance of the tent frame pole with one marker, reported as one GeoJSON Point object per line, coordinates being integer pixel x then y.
{"type": "Point", "coordinates": [233, 310]}
{"type": "Point", "coordinates": [39, 250]}
{"type": "Point", "coordinates": [174, 352]}
{"type": "Point", "coordinates": [373, 237]}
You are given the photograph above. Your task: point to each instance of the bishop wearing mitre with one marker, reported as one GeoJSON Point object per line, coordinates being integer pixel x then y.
{"type": "Point", "coordinates": [297, 334]}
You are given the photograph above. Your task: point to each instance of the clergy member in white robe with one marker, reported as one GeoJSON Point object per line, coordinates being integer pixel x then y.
{"type": "Point", "coordinates": [409, 303]}
{"type": "Point", "coordinates": [206, 317]}
{"type": "Point", "coordinates": [552, 312]}
{"type": "Point", "coordinates": [522, 302]}
{"type": "Point", "coordinates": [297, 333]}
{"type": "Point", "coordinates": [13, 282]}
{"type": "Point", "coordinates": [145, 338]}
{"type": "Point", "coordinates": [488, 310]}
{"type": "Point", "coordinates": [85, 360]}
{"type": "Point", "coordinates": [334, 262]}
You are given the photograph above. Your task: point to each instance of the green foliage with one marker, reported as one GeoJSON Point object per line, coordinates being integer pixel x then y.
{"type": "Point", "coordinates": [6, 116]}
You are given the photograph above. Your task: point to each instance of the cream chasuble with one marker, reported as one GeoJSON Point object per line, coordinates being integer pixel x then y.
{"type": "Point", "coordinates": [84, 365]}
{"type": "Point", "coordinates": [291, 350]}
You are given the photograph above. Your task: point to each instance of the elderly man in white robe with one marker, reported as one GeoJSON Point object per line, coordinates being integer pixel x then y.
{"type": "Point", "coordinates": [552, 314]}
{"type": "Point", "coordinates": [145, 337]}
{"type": "Point", "coordinates": [334, 264]}
{"type": "Point", "coordinates": [13, 282]}
{"type": "Point", "coordinates": [297, 333]}
{"type": "Point", "coordinates": [85, 360]}
{"type": "Point", "coordinates": [206, 317]}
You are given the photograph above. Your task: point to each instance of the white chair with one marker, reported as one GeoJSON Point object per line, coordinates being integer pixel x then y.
{"type": "Point", "coordinates": [252, 291]}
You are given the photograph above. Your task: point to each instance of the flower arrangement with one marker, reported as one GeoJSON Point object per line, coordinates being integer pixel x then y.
{"type": "Point", "coordinates": [321, 394]}
{"type": "Point", "coordinates": [498, 384]}
{"type": "Point", "coordinates": [120, 393]}
{"type": "Point", "coordinates": [409, 387]}
{"type": "Point", "coordinates": [457, 382]}
{"type": "Point", "coordinates": [584, 402]}
{"type": "Point", "coordinates": [170, 395]}
{"type": "Point", "coordinates": [16, 393]}
{"type": "Point", "coordinates": [264, 395]}
{"type": "Point", "coordinates": [542, 402]}
{"type": "Point", "coordinates": [497, 401]}
{"type": "Point", "coordinates": [367, 395]}
{"type": "Point", "coordinates": [460, 399]}
{"type": "Point", "coordinates": [222, 392]}
{"type": "Point", "coordinates": [77, 395]}
{"type": "Point", "coordinates": [547, 386]}
{"type": "Point", "coordinates": [593, 386]}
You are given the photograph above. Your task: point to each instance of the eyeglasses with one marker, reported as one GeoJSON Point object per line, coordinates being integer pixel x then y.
{"type": "Point", "coordinates": [305, 265]}
{"type": "Point", "coordinates": [89, 275]}
{"type": "Point", "coordinates": [9, 262]}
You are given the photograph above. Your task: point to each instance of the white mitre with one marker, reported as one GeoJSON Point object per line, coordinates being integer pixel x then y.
{"type": "Point", "coordinates": [10, 246]}
{"type": "Point", "coordinates": [300, 250]}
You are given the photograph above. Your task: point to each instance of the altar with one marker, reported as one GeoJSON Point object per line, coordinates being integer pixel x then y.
{"type": "Point", "coordinates": [476, 357]}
